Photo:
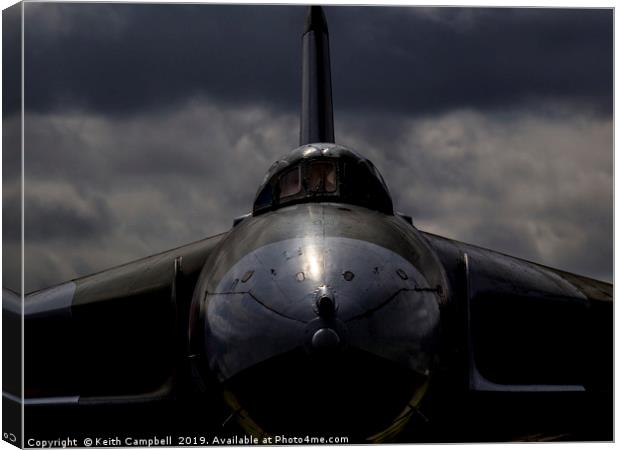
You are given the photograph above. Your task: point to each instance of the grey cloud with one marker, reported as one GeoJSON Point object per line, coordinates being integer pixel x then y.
{"type": "Point", "coordinates": [56, 210]}
{"type": "Point", "coordinates": [103, 191]}
{"type": "Point", "coordinates": [11, 232]}
{"type": "Point", "coordinates": [11, 202]}
{"type": "Point", "coordinates": [526, 184]}
{"type": "Point", "coordinates": [534, 184]}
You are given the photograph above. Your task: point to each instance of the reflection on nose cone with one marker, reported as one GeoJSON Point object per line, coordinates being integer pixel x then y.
{"type": "Point", "coordinates": [325, 339]}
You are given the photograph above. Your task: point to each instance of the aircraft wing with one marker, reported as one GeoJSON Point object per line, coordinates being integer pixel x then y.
{"type": "Point", "coordinates": [527, 327]}
{"type": "Point", "coordinates": [112, 337]}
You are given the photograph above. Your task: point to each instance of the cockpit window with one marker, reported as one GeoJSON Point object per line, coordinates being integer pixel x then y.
{"type": "Point", "coordinates": [323, 173]}
{"type": "Point", "coordinates": [322, 177]}
{"type": "Point", "coordinates": [290, 183]}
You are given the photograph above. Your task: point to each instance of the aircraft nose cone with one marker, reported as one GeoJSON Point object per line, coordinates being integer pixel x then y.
{"type": "Point", "coordinates": [325, 339]}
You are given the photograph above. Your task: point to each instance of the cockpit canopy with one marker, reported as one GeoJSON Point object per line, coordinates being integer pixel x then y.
{"type": "Point", "coordinates": [323, 173]}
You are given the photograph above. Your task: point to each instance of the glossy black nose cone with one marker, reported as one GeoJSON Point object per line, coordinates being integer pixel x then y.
{"type": "Point", "coordinates": [325, 339]}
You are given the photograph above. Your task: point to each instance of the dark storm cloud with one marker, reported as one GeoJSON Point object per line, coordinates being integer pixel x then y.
{"type": "Point", "coordinates": [59, 213]}
{"type": "Point", "coordinates": [123, 58]}
{"type": "Point", "coordinates": [119, 58]}
{"type": "Point", "coordinates": [430, 60]}
{"type": "Point", "coordinates": [11, 59]}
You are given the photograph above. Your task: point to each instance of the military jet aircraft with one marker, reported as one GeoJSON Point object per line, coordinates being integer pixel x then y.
{"type": "Point", "coordinates": [323, 312]}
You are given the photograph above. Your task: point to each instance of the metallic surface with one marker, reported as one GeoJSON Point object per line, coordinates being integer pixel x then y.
{"type": "Point", "coordinates": [241, 316]}
{"type": "Point", "coordinates": [317, 122]}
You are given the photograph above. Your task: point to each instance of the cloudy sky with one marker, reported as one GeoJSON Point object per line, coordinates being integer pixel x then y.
{"type": "Point", "coordinates": [151, 126]}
